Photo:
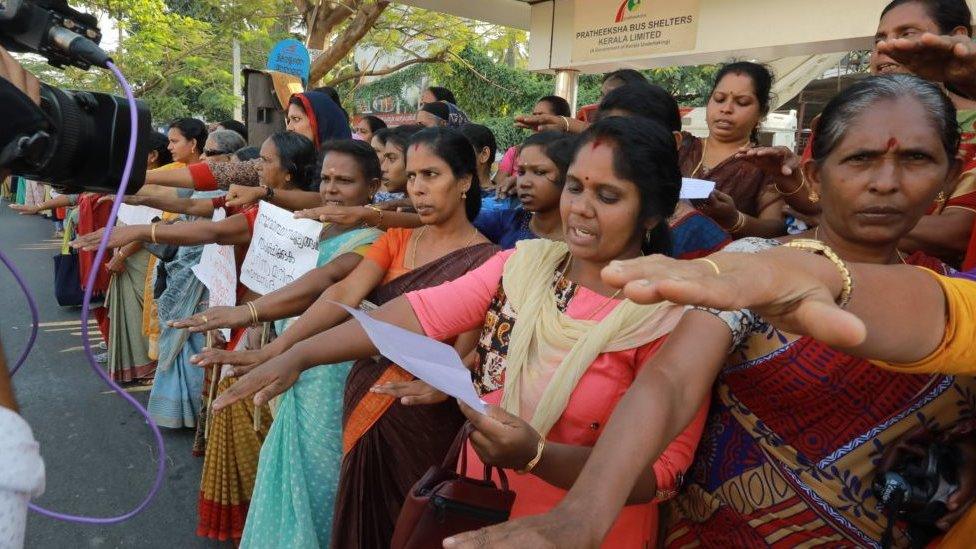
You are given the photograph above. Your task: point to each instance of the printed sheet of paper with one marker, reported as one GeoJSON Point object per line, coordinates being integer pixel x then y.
{"type": "Point", "coordinates": [137, 215]}
{"type": "Point", "coordinates": [695, 189]}
{"type": "Point", "coordinates": [218, 272]}
{"type": "Point", "coordinates": [432, 361]}
{"type": "Point", "coordinates": [282, 249]}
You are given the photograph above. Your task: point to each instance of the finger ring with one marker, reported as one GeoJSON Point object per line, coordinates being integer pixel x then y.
{"type": "Point", "coordinates": [204, 317]}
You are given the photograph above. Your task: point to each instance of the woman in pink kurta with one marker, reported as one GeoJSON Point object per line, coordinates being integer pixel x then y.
{"type": "Point", "coordinates": [442, 313]}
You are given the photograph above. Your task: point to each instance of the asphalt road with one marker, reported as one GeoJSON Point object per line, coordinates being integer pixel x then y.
{"type": "Point", "coordinates": [99, 453]}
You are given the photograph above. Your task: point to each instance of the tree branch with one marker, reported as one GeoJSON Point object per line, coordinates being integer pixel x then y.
{"type": "Point", "coordinates": [326, 19]}
{"type": "Point", "coordinates": [439, 57]}
{"type": "Point", "coordinates": [366, 15]}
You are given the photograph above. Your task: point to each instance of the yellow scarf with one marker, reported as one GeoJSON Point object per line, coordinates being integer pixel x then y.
{"type": "Point", "coordinates": [548, 351]}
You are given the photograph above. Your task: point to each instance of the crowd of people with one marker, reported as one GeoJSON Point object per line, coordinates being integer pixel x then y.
{"type": "Point", "coordinates": [659, 371]}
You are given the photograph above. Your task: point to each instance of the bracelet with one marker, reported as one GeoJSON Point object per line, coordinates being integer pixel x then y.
{"type": "Point", "coordinates": [152, 233]}
{"type": "Point", "coordinates": [819, 248]}
{"type": "Point", "coordinates": [378, 210]}
{"type": "Point", "coordinates": [739, 223]}
{"type": "Point", "coordinates": [254, 313]}
{"type": "Point", "coordinates": [535, 461]}
{"type": "Point", "coordinates": [566, 121]}
{"type": "Point", "coordinates": [798, 188]}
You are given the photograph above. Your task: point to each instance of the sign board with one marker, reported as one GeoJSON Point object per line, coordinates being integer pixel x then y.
{"type": "Point", "coordinates": [282, 249]}
{"type": "Point", "coordinates": [632, 28]}
{"type": "Point", "coordinates": [290, 57]}
{"type": "Point", "coordinates": [137, 215]}
{"type": "Point", "coordinates": [217, 271]}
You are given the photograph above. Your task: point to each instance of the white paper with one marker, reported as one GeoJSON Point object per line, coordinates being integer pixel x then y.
{"type": "Point", "coordinates": [217, 270]}
{"type": "Point", "coordinates": [282, 249]}
{"type": "Point", "coordinates": [137, 215]}
{"type": "Point", "coordinates": [432, 361]}
{"type": "Point", "coordinates": [695, 189]}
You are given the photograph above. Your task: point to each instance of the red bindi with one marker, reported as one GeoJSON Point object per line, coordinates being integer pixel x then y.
{"type": "Point", "coordinates": [892, 143]}
{"type": "Point", "coordinates": [598, 141]}
{"type": "Point", "coordinates": [416, 147]}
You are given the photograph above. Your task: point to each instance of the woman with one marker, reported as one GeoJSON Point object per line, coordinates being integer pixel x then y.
{"type": "Point", "coordinates": [552, 289]}
{"type": "Point", "coordinates": [310, 114]}
{"type": "Point", "coordinates": [221, 145]}
{"type": "Point", "coordinates": [187, 137]}
{"type": "Point", "coordinates": [393, 162]}
{"type": "Point", "coordinates": [367, 127]}
{"type": "Point", "coordinates": [749, 195]}
{"type": "Point", "coordinates": [379, 141]}
{"type": "Point", "coordinates": [542, 165]}
{"type": "Point", "coordinates": [442, 183]}
{"type": "Point", "coordinates": [550, 106]}
{"type": "Point", "coordinates": [441, 114]}
{"type": "Point", "coordinates": [802, 470]}
{"type": "Point", "coordinates": [433, 94]}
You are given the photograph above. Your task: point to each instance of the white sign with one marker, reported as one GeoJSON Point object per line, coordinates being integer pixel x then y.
{"type": "Point", "coordinates": [282, 249]}
{"type": "Point", "coordinates": [695, 189]}
{"type": "Point", "coordinates": [217, 271]}
{"type": "Point", "coordinates": [433, 362]}
{"type": "Point", "coordinates": [137, 215]}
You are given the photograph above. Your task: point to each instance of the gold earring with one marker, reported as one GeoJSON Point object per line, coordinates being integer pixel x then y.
{"type": "Point", "coordinates": [814, 197]}
{"type": "Point", "coordinates": [941, 197]}
{"type": "Point", "coordinates": [464, 195]}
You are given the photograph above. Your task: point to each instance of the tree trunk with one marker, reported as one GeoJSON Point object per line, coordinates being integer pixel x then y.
{"type": "Point", "coordinates": [367, 12]}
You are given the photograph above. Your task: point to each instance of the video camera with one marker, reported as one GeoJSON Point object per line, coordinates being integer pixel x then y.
{"type": "Point", "coordinates": [76, 140]}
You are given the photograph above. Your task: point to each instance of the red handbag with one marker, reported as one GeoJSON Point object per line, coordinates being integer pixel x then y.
{"type": "Point", "coordinates": [444, 502]}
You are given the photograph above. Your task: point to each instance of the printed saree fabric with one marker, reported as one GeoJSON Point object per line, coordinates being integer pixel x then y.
{"type": "Point", "coordinates": [794, 437]}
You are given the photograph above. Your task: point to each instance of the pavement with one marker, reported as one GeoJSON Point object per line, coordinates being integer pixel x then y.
{"type": "Point", "coordinates": [99, 453]}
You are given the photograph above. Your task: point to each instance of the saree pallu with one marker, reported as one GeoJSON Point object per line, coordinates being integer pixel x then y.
{"type": "Point", "coordinates": [298, 470]}
{"type": "Point", "coordinates": [128, 348]}
{"type": "Point", "coordinates": [387, 446]}
{"type": "Point", "coordinates": [231, 459]}
{"type": "Point", "coordinates": [793, 441]}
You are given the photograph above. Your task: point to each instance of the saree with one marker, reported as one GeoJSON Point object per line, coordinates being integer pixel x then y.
{"type": "Point", "coordinates": [298, 469]}
{"type": "Point", "coordinates": [128, 347]}
{"type": "Point", "coordinates": [795, 436]}
{"type": "Point", "coordinates": [174, 401]}
{"type": "Point", "coordinates": [750, 187]}
{"type": "Point", "coordinates": [387, 447]}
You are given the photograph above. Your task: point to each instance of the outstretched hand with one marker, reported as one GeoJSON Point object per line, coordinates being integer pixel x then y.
{"type": "Point", "coordinates": [410, 393]}
{"type": "Point", "coordinates": [776, 284]}
{"type": "Point", "coordinates": [947, 59]}
{"type": "Point", "coordinates": [214, 318]}
{"type": "Point", "coordinates": [239, 196]}
{"type": "Point", "coordinates": [264, 382]}
{"type": "Point", "coordinates": [121, 235]}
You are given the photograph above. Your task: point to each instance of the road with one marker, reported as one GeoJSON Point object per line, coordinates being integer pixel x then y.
{"type": "Point", "coordinates": [99, 453]}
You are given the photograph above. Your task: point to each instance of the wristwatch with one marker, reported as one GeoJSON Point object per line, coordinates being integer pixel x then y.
{"type": "Point", "coordinates": [269, 192]}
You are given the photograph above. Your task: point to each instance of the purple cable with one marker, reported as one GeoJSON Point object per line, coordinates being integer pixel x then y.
{"type": "Point", "coordinates": [86, 305]}
{"type": "Point", "coordinates": [35, 316]}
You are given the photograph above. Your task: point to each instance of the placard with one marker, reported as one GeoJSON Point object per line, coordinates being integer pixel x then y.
{"type": "Point", "coordinates": [607, 29]}
{"type": "Point", "coordinates": [217, 271]}
{"type": "Point", "coordinates": [695, 189]}
{"type": "Point", "coordinates": [290, 57]}
{"type": "Point", "coordinates": [282, 249]}
{"type": "Point", "coordinates": [137, 215]}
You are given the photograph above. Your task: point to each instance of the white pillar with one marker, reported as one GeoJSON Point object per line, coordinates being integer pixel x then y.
{"type": "Point", "coordinates": [567, 84]}
{"type": "Point", "coordinates": [238, 92]}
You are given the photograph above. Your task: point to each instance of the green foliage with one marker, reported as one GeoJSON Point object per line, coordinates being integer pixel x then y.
{"type": "Point", "coordinates": [506, 134]}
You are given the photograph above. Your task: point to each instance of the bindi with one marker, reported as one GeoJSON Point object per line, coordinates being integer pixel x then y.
{"type": "Point", "coordinates": [892, 144]}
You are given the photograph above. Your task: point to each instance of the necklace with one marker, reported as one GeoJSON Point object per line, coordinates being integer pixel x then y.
{"type": "Point", "coordinates": [562, 274]}
{"type": "Point", "coordinates": [816, 236]}
{"type": "Point", "coordinates": [420, 235]}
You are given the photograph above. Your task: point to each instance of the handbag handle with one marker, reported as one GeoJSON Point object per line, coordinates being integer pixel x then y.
{"type": "Point", "coordinates": [457, 451]}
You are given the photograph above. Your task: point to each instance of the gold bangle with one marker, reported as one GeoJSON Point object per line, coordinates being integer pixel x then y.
{"type": "Point", "coordinates": [712, 263]}
{"type": "Point", "coordinates": [566, 121]}
{"type": "Point", "coordinates": [152, 233]}
{"type": "Point", "coordinates": [254, 313]}
{"type": "Point", "coordinates": [798, 188]}
{"type": "Point", "coordinates": [739, 223]}
{"type": "Point", "coordinates": [378, 210]}
{"type": "Point", "coordinates": [819, 248]}
{"type": "Point", "coordinates": [535, 461]}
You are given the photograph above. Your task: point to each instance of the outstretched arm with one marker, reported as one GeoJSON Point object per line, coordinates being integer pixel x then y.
{"type": "Point", "coordinates": [234, 230]}
{"type": "Point", "coordinates": [197, 207]}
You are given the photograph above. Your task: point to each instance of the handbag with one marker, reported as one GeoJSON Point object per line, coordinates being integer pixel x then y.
{"type": "Point", "coordinates": [444, 502]}
{"type": "Point", "coordinates": [67, 281]}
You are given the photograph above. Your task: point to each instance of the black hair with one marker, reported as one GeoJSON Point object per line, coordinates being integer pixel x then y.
{"type": "Point", "coordinates": [360, 151]}
{"type": "Point", "coordinates": [558, 147]}
{"type": "Point", "coordinates": [452, 147]}
{"type": "Point", "coordinates": [559, 106]}
{"type": "Point", "coordinates": [160, 143]}
{"type": "Point", "coordinates": [647, 100]}
{"type": "Point", "coordinates": [382, 134]}
{"type": "Point", "coordinates": [438, 109]}
{"type": "Point", "coordinates": [854, 100]}
{"type": "Point", "coordinates": [192, 129]}
{"type": "Point", "coordinates": [375, 123]}
{"type": "Point", "coordinates": [400, 135]}
{"type": "Point", "coordinates": [762, 84]}
{"type": "Point", "coordinates": [442, 94]}
{"type": "Point", "coordinates": [480, 137]}
{"type": "Point", "coordinates": [627, 76]}
{"type": "Point", "coordinates": [645, 154]}
{"type": "Point", "coordinates": [297, 156]}
{"type": "Point", "coordinates": [247, 153]}
{"type": "Point", "coordinates": [235, 126]}
{"type": "Point", "coordinates": [947, 14]}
